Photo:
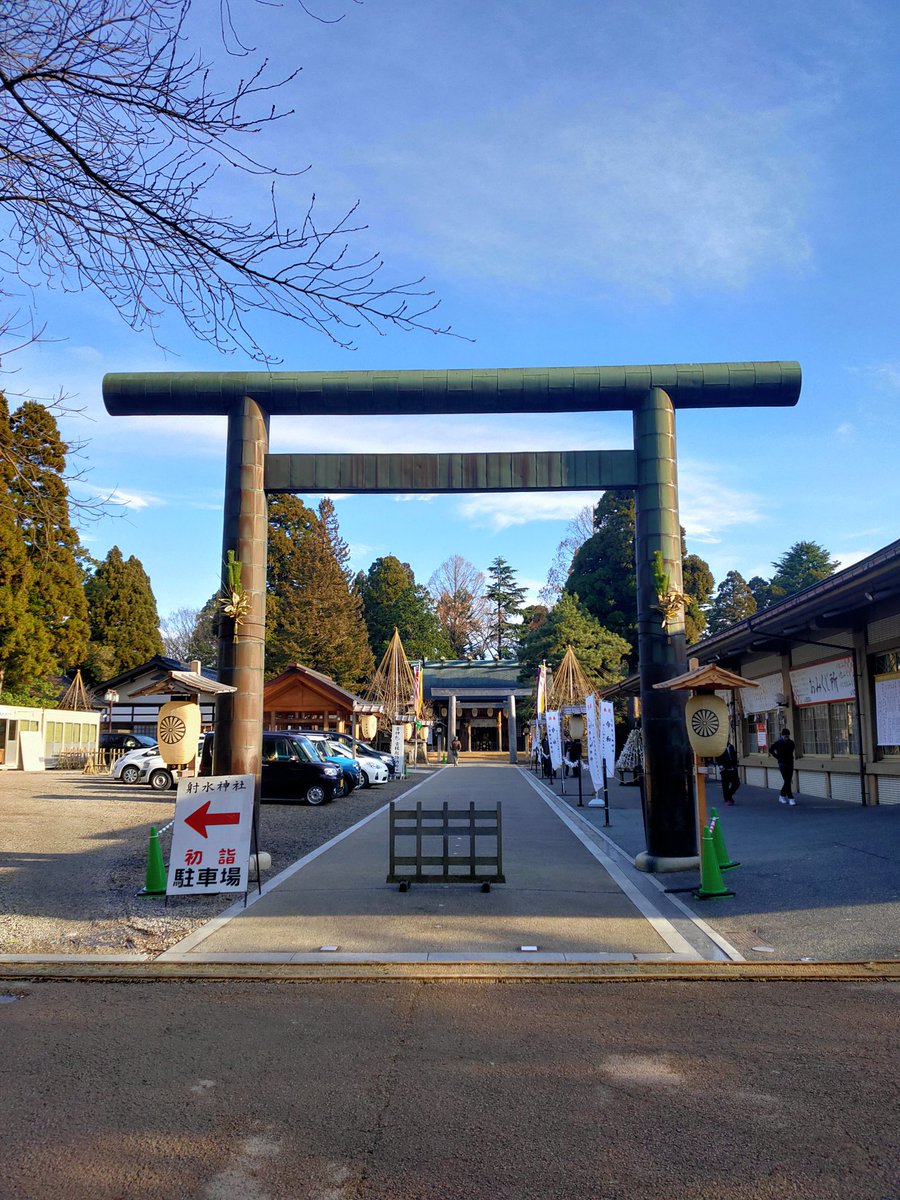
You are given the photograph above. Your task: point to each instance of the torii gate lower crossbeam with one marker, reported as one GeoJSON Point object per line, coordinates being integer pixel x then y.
{"type": "Point", "coordinates": [651, 393]}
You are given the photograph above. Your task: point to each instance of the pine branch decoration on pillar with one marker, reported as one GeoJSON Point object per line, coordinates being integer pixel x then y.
{"type": "Point", "coordinates": [233, 600]}
{"type": "Point", "coordinates": [669, 601]}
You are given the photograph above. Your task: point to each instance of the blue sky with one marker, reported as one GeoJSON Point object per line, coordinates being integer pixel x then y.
{"type": "Point", "coordinates": [580, 183]}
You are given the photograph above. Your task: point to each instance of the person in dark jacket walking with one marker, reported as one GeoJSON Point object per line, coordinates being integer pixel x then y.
{"type": "Point", "coordinates": [783, 752]}
{"type": "Point", "coordinates": [728, 770]}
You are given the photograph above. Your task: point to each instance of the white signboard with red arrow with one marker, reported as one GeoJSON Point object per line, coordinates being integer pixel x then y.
{"type": "Point", "coordinates": [211, 835]}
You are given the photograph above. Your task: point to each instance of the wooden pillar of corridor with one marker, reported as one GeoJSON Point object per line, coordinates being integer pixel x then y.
{"type": "Point", "coordinates": [651, 393]}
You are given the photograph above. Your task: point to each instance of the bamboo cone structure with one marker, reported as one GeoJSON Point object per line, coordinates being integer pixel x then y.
{"type": "Point", "coordinates": [570, 686]}
{"type": "Point", "coordinates": [75, 699]}
{"type": "Point", "coordinates": [393, 686]}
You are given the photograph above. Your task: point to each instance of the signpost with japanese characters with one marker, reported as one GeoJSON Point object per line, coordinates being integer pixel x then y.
{"type": "Point", "coordinates": [211, 835]}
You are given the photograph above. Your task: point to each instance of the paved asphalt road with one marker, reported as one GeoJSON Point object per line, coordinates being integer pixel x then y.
{"type": "Point", "coordinates": [449, 1091]}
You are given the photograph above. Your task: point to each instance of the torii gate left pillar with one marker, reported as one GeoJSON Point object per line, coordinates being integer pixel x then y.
{"type": "Point", "coordinates": [239, 716]}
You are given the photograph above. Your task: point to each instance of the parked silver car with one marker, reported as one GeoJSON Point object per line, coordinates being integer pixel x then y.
{"type": "Point", "coordinates": [128, 767]}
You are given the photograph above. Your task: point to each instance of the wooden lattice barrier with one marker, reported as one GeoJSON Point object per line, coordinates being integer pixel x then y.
{"type": "Point", "coordinates": [452, 845]}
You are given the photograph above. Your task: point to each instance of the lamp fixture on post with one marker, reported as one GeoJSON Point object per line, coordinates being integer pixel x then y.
{"type": "Point", "coordinates": [111, 697]}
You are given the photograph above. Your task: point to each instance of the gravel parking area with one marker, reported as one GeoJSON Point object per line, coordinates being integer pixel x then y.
{"type": "Point", "coordinates": [73, 855]}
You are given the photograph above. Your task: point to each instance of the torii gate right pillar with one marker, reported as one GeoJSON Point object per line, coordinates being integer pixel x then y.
{"type": "Point", "coordinates": [669, 818]}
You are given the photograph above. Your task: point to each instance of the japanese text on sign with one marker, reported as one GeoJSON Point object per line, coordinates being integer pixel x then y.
{"type": "Point", "coordinates": [211, 835]}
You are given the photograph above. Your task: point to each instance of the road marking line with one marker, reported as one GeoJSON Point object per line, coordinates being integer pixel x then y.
{"type": "Point", "coordinates": [213, 926]}
{"type": "Point", "coordinates": [660, 923]}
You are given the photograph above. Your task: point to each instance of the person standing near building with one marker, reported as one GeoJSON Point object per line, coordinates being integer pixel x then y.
{"type": "Point", "coordinates": [728, 770]}
{"type": "Point", "coordinates": [783, 752]}
{"type": "Point", "coordinates": [455, 747]}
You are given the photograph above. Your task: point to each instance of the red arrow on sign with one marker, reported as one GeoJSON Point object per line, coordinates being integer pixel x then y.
{"type": "Point", "coordinates": [201, 818]}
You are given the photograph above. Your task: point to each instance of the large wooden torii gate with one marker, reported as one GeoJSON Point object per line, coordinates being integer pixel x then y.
{"type": "Point", "coordinates": [652, 393]}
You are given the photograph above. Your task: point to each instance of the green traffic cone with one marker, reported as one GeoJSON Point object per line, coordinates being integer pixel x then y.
{"type": "Point", "coordinates": [725, 863]}
{"type": "Point", "coordinates": [155, 883]}
{"type": "Point", "coordinates": [711, 884]}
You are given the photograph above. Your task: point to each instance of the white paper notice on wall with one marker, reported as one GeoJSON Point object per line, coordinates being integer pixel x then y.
{"type": "Point", "coordinates": [824, 682]}
{"type": "Point", "coordinates": [887, 708]}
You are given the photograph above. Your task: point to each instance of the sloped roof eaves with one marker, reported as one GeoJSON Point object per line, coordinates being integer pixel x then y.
{"type": "Point", "coordinates": [158, 663]}
{"type": "Point", "coordinates": [298, 670]}
{"type": "Point", "coordinates": [496, 676]}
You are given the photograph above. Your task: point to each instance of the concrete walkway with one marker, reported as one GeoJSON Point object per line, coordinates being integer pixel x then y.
{"type": "Point", "coordinates": [567, 896]}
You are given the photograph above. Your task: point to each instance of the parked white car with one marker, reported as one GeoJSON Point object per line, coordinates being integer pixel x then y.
{"type": "Point", "coordinates": [371, 769]}
{"type": "Point", "coordinates": [128, 767]}
{"type": "Point", "coordinates": [156, 771]}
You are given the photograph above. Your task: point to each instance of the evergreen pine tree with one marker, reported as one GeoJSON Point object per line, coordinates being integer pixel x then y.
{"type": "Point", "coordinates": [393, 600]}
{"type": "Point", "coordinates": [734, 601]}
{"type": "Point", "coordinates": [698, 583]}
{"type": "Point", "coordinates": [124, 622]}
{"type": "Point", "coordinates": [505, 600]}
{"type": "Point", "coordinates": [601, 653]}
{"type": "Point", "coordinates": [41, 498]}
{"type": "Point", "coordinates": [313, 616]}
{"type": "Point", "coordinates": [602, 574]}
{"type": "Point", "coordinates": [804, 564]}
{"type": "Point", "coordinates": [17, 625]}
{"type": "Point", "coordinates": [760, 591]}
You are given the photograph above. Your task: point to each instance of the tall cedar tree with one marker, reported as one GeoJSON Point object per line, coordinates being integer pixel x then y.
{"type": "Point", "coordinates": [505, 602]}
{"type": "Point", "coordinates": [602, 574]}
{"type": "Point", "coordinates": [734, 601]}
{"type": "Point", "coordinates": [17, 624]}
{"type": "Point", "coordinates": [602, 654]}
{"type": "Point", "coordinates": [804, 564]}
{"type": "Point", "coordinates": [698, 583]}
{"type": "Point", "coordinates": [123, 618]}
{"type": "Point", "coordinates": [41, 499]}
{"type": "Point", "coordinates": [313, 617]}
{"type": "Point", "coordinates": [392, 599]}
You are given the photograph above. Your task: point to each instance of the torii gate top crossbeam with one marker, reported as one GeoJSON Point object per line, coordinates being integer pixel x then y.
{"type": "Point", "coordinates": [411, 393]}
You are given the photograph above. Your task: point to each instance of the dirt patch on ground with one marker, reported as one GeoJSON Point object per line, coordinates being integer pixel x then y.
{"type": "Point", "coordinates": [73, 856]}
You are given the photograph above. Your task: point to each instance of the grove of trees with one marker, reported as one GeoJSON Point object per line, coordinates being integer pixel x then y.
{"type": "Point", "coordinates": [60, 609]}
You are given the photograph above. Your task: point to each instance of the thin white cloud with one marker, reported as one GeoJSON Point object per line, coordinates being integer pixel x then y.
{"type": "Point", "coordinates": [120, 497]}
{"type": "Point", "coordinates": [708, 508]}
{"type": "Point", "coordinates": [655, 198]}
{"type": "Point", "coordinates": [500, 510]}
{"type": "Point", "coordinates": [848, 558]}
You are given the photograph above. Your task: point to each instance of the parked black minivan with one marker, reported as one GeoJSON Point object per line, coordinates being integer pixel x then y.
{"type": "Point", "coordinates": [291, 769]}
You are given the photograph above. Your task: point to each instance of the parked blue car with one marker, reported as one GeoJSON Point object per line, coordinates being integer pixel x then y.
{"type": "Point", "coordinates": [349, 766]}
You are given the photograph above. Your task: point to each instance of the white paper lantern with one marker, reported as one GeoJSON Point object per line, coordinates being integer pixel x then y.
{"type": "Point", "coordinates": [707, 725]}
{"type": "Point", "coordinates": [576, 726]}
{"type": "Point", "coordinates": [407, 731]}
{"type": "Point", "coordinates": [368, 726]}
{"type": "Point", "coordinates": [177, 731]}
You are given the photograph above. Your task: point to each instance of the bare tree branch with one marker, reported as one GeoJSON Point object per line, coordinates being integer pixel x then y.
{"type": "Point", "coordinates": [113, 137]}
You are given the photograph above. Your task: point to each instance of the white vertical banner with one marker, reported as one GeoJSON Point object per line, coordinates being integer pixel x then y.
{"type": "Point", "coordinates": [555, 738]}
{"type": "Point", "coordinates": [608, 736]}
{"type": "Point", "coordinates": [595, 751]}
